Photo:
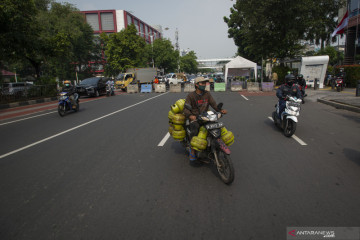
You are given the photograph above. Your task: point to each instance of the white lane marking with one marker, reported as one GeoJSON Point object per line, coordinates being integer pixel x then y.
{"type": "Point", "coordinates": [244, 97]}
{"type": "Point", "coordinates": [296, 138]}
{"type": "Point", "coordinates": [22, 119]}
{"type": "Point", "coordinates": [26, 118]}
{"type": "Point", "coordinates": [74, 128]}
{"type": "Point", "coordinates": [163, 141]}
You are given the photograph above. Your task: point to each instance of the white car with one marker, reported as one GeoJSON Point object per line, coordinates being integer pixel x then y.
{"type": "Point", "coordinates": [171, 79]}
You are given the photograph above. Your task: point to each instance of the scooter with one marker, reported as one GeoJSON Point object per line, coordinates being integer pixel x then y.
{"type": "Point", "coordinates": [65, 104]}
{"type": "Point", "coordinates": [109, 90]}
{"type": "Point", "coordinates": [339, 83]}
{"type": "Point", "coordinates": [288, 119]}
{"type": "Point", "coordinates": [216, 149]}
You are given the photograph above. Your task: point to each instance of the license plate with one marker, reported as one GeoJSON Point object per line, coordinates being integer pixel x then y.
{"type": "Point", "coordinates": [214, 125]}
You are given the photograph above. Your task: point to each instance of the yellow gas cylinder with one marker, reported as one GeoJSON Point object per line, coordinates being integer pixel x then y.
{"type": "Point", "coordinates": [202, 132]}
{"type": "Point", "coordinates": [178, 135]}
{"type": "Point", "coordinates": [170, 115]}
{"type": "Point", "coordinates": [223, 131]}
{"type": "Point", "coordinates": [175, 108]}
{"type": "Point", "coordinates": [178, 127]}
{"type": "Point", "coordinates": [198, 144]}
{"type": "Point", "coordinates": [228, 138]}
{"type": "Point", "coordinates": [178, 118]}
{"type": "Point", "coordinates": [180, 103]}
{"type": "Point", "coordinates": [171, 129]}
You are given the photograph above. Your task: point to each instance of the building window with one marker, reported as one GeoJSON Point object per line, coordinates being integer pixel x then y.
{"type": "Point", "coordinates": [136, 22]}
{"type": "Point", "coordinates": [93, 20]}
{"type": "Point", "coordinates": [107, 21]}
{"type": "Point", "coordinates": [129, 20]}
{"type": "Point", "coordinates": [141, 29]}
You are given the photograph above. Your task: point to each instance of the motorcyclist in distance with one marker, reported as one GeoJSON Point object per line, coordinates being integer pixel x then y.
{"type": "Point", "coordinates": [70, 89]}
{"type": "Point", "coordinates": [200, 100]}
{"type": "Point", "coordinates": [301, 82]}
{"type": "Point", "coordinates": [287, 89]}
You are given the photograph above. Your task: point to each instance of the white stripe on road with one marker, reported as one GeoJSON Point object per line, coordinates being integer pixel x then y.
{"type": "Point", "coordinates": [22, 119]}
{"type": "Point", "coordinates": [296, 138]}
{"type": "Point", "coordinates": [163, 141]}
{"type": "Point", "coordinates": [244, 97]}
{"type": "Point", "coordinates": [74, 128]}
{"type": "Point", "coordinates": [26, 118]}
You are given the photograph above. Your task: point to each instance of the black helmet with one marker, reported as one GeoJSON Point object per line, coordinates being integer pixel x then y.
{"type": "Point", "coordinates": [289, 79]}
{"type": "Point", "coordinates": [301, 76]}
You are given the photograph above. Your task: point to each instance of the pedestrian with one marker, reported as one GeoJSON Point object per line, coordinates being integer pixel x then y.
{"type": "Point", "coordinates": [275, 78]}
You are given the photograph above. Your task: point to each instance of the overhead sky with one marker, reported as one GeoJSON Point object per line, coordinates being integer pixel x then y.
{"type": "Point", "coordinates": [199, 22]}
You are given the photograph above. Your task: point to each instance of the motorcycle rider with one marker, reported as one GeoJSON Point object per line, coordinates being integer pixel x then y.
{"type": "Point", "coordinates": [288, 88]}
{"type": "Point", "coordinates": [199, 100]}
{"type": "Point", "coordinates": [111, 84]}
{"type": "Point", "coordinates": [301, 82]}
{"type": "Point", "coordinates": [70, 89]}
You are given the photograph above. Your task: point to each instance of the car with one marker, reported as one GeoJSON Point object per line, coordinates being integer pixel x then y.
{"type": "Point", "coordinates": [16, 88]}
{"type": "Point", "coordinates": [92, 87]}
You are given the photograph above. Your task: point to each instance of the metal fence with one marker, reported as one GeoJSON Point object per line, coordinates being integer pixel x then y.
{"type": "Point", "coordinates": [30, 93]}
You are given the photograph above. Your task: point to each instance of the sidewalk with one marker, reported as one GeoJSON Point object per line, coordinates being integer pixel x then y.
{"type": "Point", "coordinates": [345, 99]}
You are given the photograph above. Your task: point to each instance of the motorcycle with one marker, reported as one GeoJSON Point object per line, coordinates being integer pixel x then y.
{"type": "Point", "coordinates": [65, 104]}
{"type": "Point", "coordinates": [339, 83]}
{"type": "Point", "coordinates": [109, 90]}
{"type": "Point", "coordinates": [216, 150]}
{"type": "Point", "coordinates": [288, 119]}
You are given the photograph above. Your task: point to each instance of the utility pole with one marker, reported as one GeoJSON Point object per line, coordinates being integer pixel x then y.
{"type": "Point", "coordinates": [177, 47]}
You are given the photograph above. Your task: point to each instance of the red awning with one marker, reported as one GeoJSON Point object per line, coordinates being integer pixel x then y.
{"type": "Point", "coordinates": [7, 73]}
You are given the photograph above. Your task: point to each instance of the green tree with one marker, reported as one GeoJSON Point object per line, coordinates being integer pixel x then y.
{"type": "Point", "coordinates": [188, 63]}
{"type": "Point", "coordinates": [123, 50]}
{"type": "Point", "coordinates": [16, 20]}
{"type": "Point", "coordinates": [53, 40]}
{"type": "Point", "coordinates": [273, 28]}
{"type": "Point", "coordinates": [163, 54]}
{"type": "Point", "coordinates": [334, 56]}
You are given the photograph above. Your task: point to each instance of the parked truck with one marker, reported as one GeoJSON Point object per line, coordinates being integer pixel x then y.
{"type": "Point", "coordinates": [136, 76]}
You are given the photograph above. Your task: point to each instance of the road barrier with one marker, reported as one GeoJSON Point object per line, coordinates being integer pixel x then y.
{"type": "Point", "coordinates": [175, 88]}
{"type": "Point", "coordinates": [189, 87]}
{"type": "Point", "coordinates": [146, 88]}
{"type": "Point", "coordinates": [160, 88]}
{"type": "Point", "coordinates": [132, 88]}
{"type": "Point", "coordinates": [219, 87]}
{"type": "Point", "coordinates": [236, 86]}
{"type": "Point", "coordinates": [267, 86]}
{"type": "Point", "coordinates": [253, 86]}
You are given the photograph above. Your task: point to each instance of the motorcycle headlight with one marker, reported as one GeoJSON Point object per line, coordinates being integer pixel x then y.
{"type": "Point", "coordinates": [62, 97]}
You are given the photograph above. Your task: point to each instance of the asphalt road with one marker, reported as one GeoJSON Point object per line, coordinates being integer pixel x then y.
{"type": "Point", "coordinates": [100, 174]}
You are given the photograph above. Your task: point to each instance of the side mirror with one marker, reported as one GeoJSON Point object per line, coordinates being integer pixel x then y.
{"type": "Point", "coordinates": [219, 106]}
{"type": "Point", "coordinates": [188, 106]}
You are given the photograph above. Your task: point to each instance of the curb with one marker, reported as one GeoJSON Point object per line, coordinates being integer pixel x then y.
{"type": "Point", "coordinates": [339, 105]}
{"type": "Point", "coordinates": [25, 103]}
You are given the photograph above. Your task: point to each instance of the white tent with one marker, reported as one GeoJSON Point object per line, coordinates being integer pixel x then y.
{"type": "Point", "coordinates": [240, 66]}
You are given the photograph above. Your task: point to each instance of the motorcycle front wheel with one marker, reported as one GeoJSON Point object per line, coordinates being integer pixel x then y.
{"type": "Point", "coordinates": [338, 89]}
{"type": "Point", "coordinates": [289, 130]}
{"type": "Point", "coordinates": [225, 168]}
{"type": "Point", "coordinates": [61, 110]}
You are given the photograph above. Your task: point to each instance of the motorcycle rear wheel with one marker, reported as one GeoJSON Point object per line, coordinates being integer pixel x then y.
{"type": "Point", "coordinates": [61, 110]}
{"type": "Point", "coordinates": [289, 130]}
{"type": "Point", "coordinates": [226, 168]}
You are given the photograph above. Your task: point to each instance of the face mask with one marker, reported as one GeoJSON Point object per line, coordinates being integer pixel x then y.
{"type": "Point", "coordinates": [202, 88]}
